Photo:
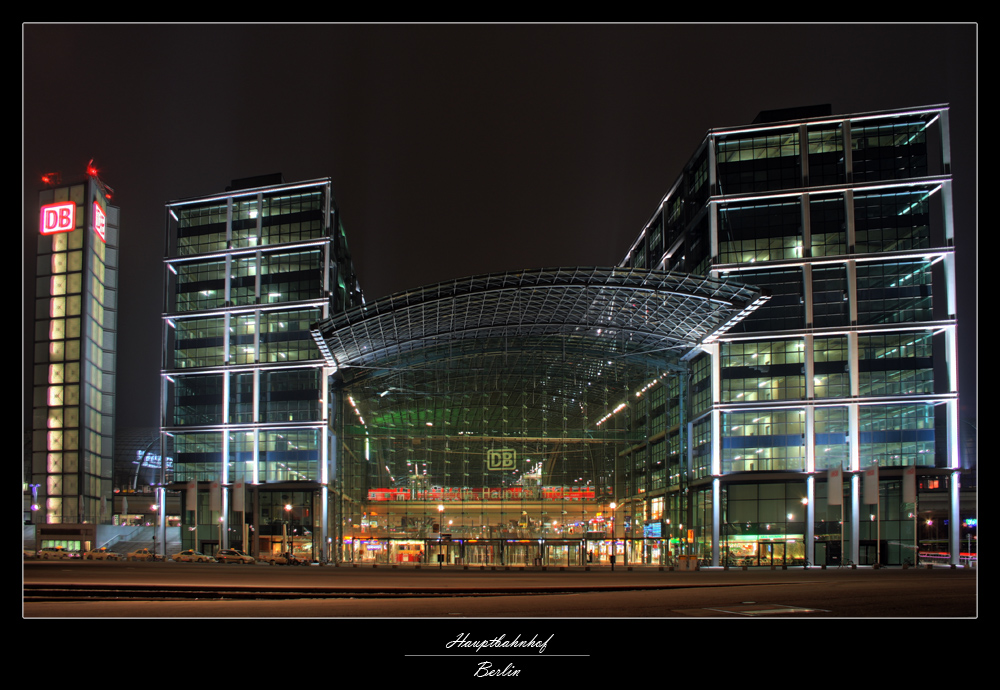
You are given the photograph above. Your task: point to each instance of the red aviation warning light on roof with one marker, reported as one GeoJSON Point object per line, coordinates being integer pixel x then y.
{"type": "Point", "coordinates": [93, 172]}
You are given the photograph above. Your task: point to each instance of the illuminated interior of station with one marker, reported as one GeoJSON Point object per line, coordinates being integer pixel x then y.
{"type": "Point", "coordinates": [483, 420]}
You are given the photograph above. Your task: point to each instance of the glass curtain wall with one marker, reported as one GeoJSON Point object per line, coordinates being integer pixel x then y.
{"type": "Point", "coordinates": [502, 453]}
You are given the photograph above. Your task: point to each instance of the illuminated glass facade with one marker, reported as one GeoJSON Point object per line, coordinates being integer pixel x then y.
{"type": "Point", "coordinates": [520, 418]}
{"type": "Point", "coordinates": [73, 400]}
{"type": "Point", "coordinates": [846, 222]}
{"type": "Point", "coordinates": [783, 324]}
{"type": "Point", "coordinates": [246, 421]}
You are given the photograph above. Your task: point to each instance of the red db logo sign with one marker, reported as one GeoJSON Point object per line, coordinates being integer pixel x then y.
{"type": "Point", "coordinates": [58, 217]}
{"type": "Point", "coordinates": [100, 222]}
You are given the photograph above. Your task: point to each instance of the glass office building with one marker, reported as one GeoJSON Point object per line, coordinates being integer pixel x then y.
{"type": "Point", "coordinates": [246, 423]}
{"type": "Point", "coordinates": [823, 423]}
{"type": "Point", "coordinates": [73, 385]}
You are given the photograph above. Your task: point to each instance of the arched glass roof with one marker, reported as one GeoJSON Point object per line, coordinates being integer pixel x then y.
{"type": "Point", "coordinates": [590, 311]}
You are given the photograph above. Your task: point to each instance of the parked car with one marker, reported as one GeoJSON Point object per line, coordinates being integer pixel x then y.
{"type": "Point", "coordinates": [144, 555]}
{"type": "Point", "coordinates": [28, 554]}
{"type": "Point", "coordinates": [192, 556]}
{"type": "Point", "coordinates": [282, 559]}
{"type": "Point", "coordinates": [102, 554]}
{"type": "Point", "coordinates": [57, 553]}
{"type": "Point", "coordinates": [233, 556]}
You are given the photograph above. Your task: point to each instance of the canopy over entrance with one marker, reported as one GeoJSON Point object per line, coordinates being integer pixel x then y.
{"type": "Point", "coordinates": [600, 311]}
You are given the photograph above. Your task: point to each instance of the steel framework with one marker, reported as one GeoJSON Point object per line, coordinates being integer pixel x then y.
{"type": "Point", "coordinates": [591, 310]}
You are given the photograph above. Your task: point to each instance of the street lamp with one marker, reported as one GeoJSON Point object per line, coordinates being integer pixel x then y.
{"type": "Point", "coordinates": [440, 542]}
{"type": "Point", "coordinates": [156, 514]}
{"type": "Point", "coordinates": [808, 536]}
{"type": "Point", "coordinates": [612, 506]}
{"type": "Point", "coordinates": [284, 528]}
{"type": "Point", "coordinates": [34, 496]}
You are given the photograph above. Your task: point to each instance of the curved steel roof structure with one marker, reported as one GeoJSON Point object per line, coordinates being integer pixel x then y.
{"type": "Point", "coordinates": [589, 310]}
{"type": "Point", "coordinates": [532, 361]}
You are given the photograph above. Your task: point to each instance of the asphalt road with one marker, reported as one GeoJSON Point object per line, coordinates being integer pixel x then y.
{"type": "Point", "coordinates": [428, 593]}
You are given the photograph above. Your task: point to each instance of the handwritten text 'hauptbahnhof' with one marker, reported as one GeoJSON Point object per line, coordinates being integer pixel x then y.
{"type": "Point", "coordinates": [499, 642]}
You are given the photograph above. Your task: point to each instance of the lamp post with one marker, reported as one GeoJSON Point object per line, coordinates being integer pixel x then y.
{"type": "Point", "coordinates": [34, 499]}
{"type": "Point", "coordinates": [440, 541]}
{"type": "Point", "coordinates": [284, 529]}
{"type": "Point", "coordinates": [223, 537]}
{"type": "Point", "coordinates": [156, 514]}
{"type": "Point", "coordinates": [807, 534]}
{"type": "Point", "coordinates": [612, 506]}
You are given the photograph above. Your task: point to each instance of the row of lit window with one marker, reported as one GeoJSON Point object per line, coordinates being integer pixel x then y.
{"type": "Point", "coordinates": [285, 351]}
{"type": "Point", "coordinates": [189, 217]}
{"type": "Point", "coordinates": [271, 440]}
{"type": "Point", "coordinates": [266, 472]}
{"type": "Point", "coordinates": [774, 352]}
{"type": "Point", "coordinates": [758, 147]}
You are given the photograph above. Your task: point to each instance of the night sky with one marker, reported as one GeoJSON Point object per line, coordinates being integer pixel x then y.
{"type": "Point", "coordinates": [453, 149]}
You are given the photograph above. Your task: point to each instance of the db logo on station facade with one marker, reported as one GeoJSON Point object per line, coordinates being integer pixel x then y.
{"type": "Point", "coordinates": [502, 459]}
{"type": "Point", "coordinates": [100, 222]}
{"type": "Point", "coordinates": [58, 217]}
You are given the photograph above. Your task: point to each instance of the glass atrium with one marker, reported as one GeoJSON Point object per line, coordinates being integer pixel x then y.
{"type": "Point", "coordinates": [485, 420]}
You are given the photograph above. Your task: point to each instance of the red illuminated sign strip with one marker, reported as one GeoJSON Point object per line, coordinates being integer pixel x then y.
{"type": "Point", "coordinates": [57, 217]}
{"type": "Point", "coordinates": [100, 222]}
